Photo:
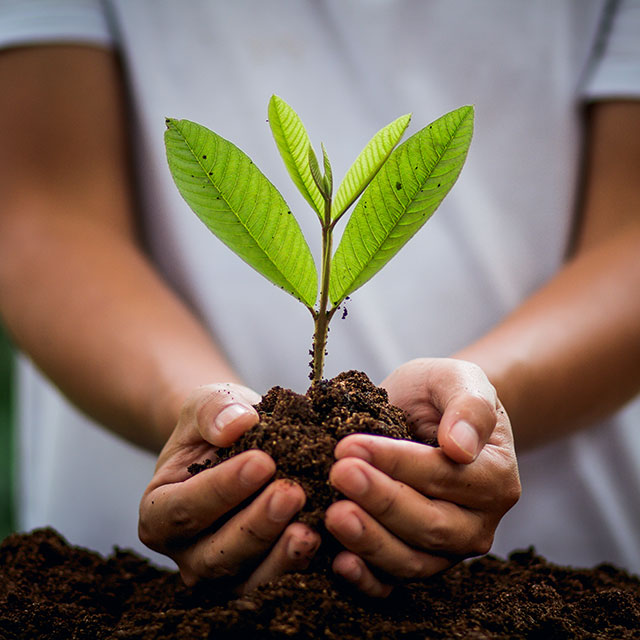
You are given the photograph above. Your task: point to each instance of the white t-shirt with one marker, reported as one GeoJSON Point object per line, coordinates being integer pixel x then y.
{"type": "Point", "coordinates": [349, 67]}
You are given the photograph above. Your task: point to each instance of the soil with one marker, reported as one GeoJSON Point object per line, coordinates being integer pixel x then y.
{"type": "Point", "coordinates": [300, 432]}
{"type": "Point", "coordinates": [50, 589]}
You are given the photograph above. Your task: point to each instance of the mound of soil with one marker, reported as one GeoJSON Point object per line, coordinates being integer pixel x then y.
{"type": "Point", "coordinates": [300, 432]}
{"type": "Point", "coordinates": [49, 589]}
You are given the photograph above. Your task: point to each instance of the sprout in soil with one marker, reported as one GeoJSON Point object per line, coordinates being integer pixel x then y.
{"type": "Point", "coordinates": [399, 189]}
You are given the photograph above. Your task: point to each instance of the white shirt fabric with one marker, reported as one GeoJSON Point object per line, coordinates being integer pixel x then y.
{"type": "Point", "coordinates": [349, 67]}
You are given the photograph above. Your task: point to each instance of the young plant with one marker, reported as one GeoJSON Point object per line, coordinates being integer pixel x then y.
{"type": "Point", "coordinates": [399, 189]}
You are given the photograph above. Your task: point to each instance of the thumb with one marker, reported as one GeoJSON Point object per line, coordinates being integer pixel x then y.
{"type": "Point", "coordinates": [223, 412]}
{"type": "Point", "coordinates": [468, 420]}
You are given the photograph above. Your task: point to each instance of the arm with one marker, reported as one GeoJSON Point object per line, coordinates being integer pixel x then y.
{"type": "Point", "coordinates": [570, 354]}
{"type": "Point", "coordinates": [76, 291]}
{"type": "Point", "coordinates": [81, 298]}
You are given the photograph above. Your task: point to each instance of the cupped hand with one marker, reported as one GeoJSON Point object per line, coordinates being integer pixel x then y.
{"type": "Point", "coordinates": [188, 517]}
{"type": "Point", "coordinates": [413, 510]}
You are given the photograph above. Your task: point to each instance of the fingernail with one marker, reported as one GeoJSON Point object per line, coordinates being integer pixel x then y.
{"type": "Point", "coordinates": [465, 436]}
{"type": "Point", "coordinates": [281, 506]}
{"type": "Point", "coordinates": [356, 451]}
{"type": "Point", "coordinates": [229, 415]}
{"type": "Point", "coordinates": [355, 482]}
{"type": "Point", "coordinates": [352, 573]}
{"type": "Point", "coordinates": [294, 549]}
{"type": "Point", "coordinates": [254, 472]}
{"type": "Point", "coordinates": [301, 549]}
{"type": "Point", "coordinates": [351, 526]}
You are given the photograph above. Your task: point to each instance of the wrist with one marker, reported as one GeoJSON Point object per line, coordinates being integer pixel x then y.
{"type": "Point", "coordinates": [506, 373]}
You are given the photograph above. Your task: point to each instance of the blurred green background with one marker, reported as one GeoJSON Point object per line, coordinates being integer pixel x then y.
{"type": "Point", "coordinates": [6, 439]}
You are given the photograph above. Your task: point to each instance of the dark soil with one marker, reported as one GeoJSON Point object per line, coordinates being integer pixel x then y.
{"type": "Point", "coordinates": [300, 433]}
{"type": "Point", "coordinates": [49, 589]}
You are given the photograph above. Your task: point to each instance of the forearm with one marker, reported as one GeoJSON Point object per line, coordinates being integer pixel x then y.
{"type": "Point", "coordinates": [571, 353]}
{"type": "Point", "coordinates": [76, 291]}
{"type": "Point", "coordinates": [92, 313]}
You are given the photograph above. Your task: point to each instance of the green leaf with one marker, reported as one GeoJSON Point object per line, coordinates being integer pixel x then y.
{"type": "Point", "coordinates": [367, 164]}
{"type": "Point", "coordinates": [323, 182]}
{"type": "Point", "coordinates": [316, 174]}
{"type": "Point", "coordinates": [293, 143]}
{"type": "Point", "coordinates": [328, 174]}
{"type": "Point", "coordinates": [400, 199]}
{"type": "Point", "coordinates": [241, 207]}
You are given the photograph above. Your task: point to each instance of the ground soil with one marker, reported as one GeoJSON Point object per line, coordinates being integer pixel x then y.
{"type": "Point", "coordinates": [50, 589]}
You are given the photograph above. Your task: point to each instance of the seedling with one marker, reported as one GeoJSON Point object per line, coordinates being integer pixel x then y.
{"type": "Point", "coordinates": [398, 190]}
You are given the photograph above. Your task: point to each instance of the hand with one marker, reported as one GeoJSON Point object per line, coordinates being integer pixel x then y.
{"type": "Point", "coordinates": [185, 517]}
{"type": "Point", "coordinates": [415, 510]}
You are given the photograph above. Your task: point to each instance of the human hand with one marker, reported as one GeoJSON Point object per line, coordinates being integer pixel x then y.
{"type": "Point", "coordinates": [188, 517]}
{"type": "Point", "coordinates": [413, 510]}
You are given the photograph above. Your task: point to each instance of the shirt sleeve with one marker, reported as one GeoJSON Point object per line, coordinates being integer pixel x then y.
{"type": "Point", "coordinates": [614, 71]}
{"type": "Point", "coordinates": [34, 22]}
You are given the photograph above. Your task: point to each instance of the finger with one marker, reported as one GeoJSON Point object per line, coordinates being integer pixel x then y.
{"type": "Point", "coordinates": [245, 538]}
{"type": "Point", "coordinates": [171, 514]}
{"type": "Point", "coordinates": [362, 535]}
{"type": "Point", "coordinates": [466, 425]}
{"type": "Point", "coordinates": [354, 570]}
{"type": "Point", "coordinates": [293, 552]}
{"type": "Point", "coordinates": [220, 413]}
{"type": "Point", "coordinates": [436, 525]}
{"type": "Point", "coordinates": [224, 415]}
{"type": "Point", "coordinates": [432, 473]}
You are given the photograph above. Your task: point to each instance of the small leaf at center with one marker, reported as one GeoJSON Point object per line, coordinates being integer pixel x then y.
{"type": "Point", "coordinates": [367, 164]}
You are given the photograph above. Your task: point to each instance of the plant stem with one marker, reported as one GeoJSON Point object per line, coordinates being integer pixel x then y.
{"type": "Point", "coordinates": [322, 316]}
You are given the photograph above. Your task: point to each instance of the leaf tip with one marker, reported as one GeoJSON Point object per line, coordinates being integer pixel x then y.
{"type": "Point", "coordinates": [470, 108]}
{"type": "Point", "coordinates": [404, 121]}
{"type": "Point", "coordinates": [275, 101]}
{"type": "Point", "coordinates": [470, 112]}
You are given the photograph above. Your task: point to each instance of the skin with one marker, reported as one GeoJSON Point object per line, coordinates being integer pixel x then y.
{"type": "Point", "coordinates": [415, 510]}
{"type": "Point", "coordinates": [419, 509]}
{"type": "Point", "coordinates": [257, 543]}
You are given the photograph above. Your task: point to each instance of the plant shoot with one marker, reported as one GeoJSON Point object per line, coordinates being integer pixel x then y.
{"type": "Point", "coordinates": [395, 189]}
